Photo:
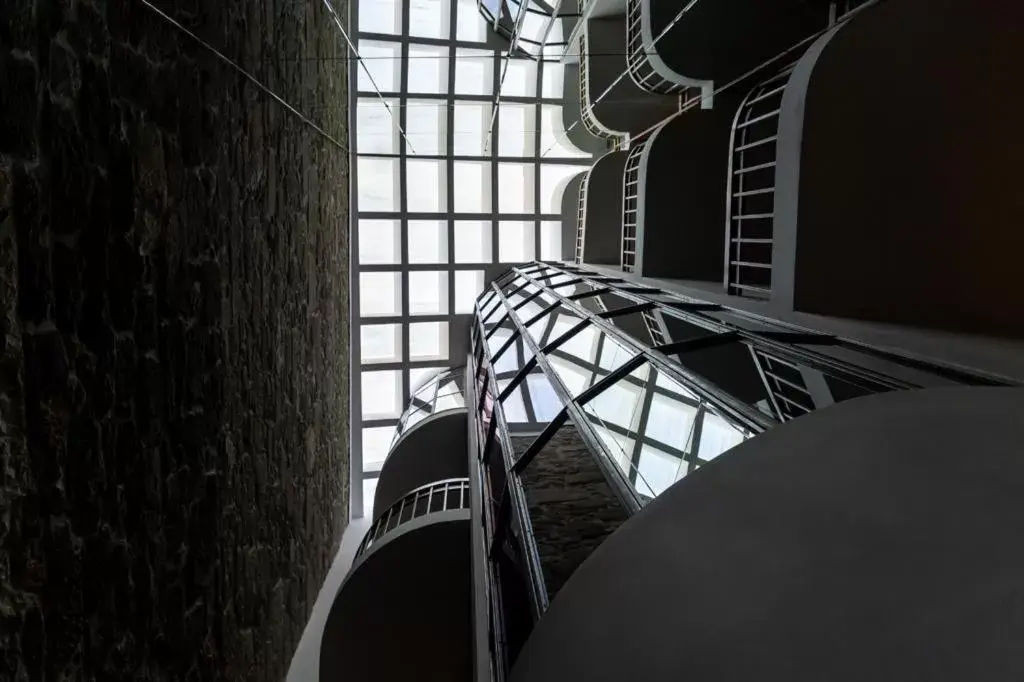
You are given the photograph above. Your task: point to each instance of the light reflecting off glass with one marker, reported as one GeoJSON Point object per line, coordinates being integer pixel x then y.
{"type": "Point", "coordinates": [428, 68]}
{"type": "Point", "coordinates": [369, 490]}
{"type": "Point", "coordinates": [377, 132]}
{"type": "Point", "coordinates": [383, 60]}
{"type": "Point", "coordinates": [376, 444]}
{"type": "Point", "coordinates": [587, 357]}
{"type": "Point", "coordinates": [656, 430]}
{"type": "Point", "coordinates": [379, 242]}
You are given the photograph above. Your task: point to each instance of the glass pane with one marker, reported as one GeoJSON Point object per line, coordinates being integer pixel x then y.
{"type": "Point", "coordinates": [517, 130]}
{"type": "Point", "coordinates": [369, 490]}
{"type": "Point", "coordinates": [380, 294]}
{"type": "Point", "coordinates": [428, 293]}
{"type": "Point", "coordinates": [549, 327]}
{"type": "Point", "coordinates": [474, 72]}
{"type": "Point", "coordinates": [379, 242]}
{"type": "Point", "coordinates": [471, 25]}
{"type": "Point", "coordinates": [472, 241]}
{"type": "Point", "coordinates": [428, 341]}
{"type": "Point", "coordinates": [421, 376]}
{"type": "Point", "coordinates": [468, 283]}
{"type": "Point", "coordinates": [381, 394]}
{"type": "Point", "coordinates": [472, 186]}
{"type": "Point", "coordinates": [551, 240]}
{"type": "Point", "coordinates": [376, 443]}
{"type": "Point", "coordinates": [587, 357]}
{"type": "Point", "coordinates": [380, 16]}
{"type": "Point", "coordinates": [428, 18]}
{"type": "Point", "coordinates": [380, 343]}
{"type": "Point", "coordinates": [428, 241]}
{"type": "Point", "coordinates": [428, 69]}
{"type": "Point", "coordinates": [425, 183]}
{"type": "Point", "coordinates": [553, 75]}
{"type": "Point", "coordinates": [425, 126]}
{"type": "Point", "coordinates": [376, 132]}
{"type": "Point", "coordinates": [675, 430]}
{"type": "Point", "coordinates": [515, 188]}
{"type": "Point", "coordinates": [543, 398]}
{"type": "Point", "coordinates": [554, 178]}
{"type": "Point", "coordinates": [471, 123]}
{"type": "Point", "coordinates": [520, 78]}
{"type": "Point", "coordinates": [383, 60]}
{"type": "Point", "coordinates": [378, 184]}
{"type": "Point", "coordinates": [515, 242]}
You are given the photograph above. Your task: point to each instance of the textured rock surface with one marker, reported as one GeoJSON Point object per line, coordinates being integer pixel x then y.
{"type": "Point", "coordinates": [173, 337]}
{"type": "Point", "coordinates": [571, 506]}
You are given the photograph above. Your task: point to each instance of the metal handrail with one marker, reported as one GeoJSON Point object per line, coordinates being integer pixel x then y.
{"type": "Point", "coordinates": [631, 204]}
{"type": "Point", "coordinates": [581, 217]}
{"type": "Point", "coordinates": [641, 70]}
{"type": "Point", "coordinates": [750, 216]}
{"type": "Point", "coordinates": [439, 496]}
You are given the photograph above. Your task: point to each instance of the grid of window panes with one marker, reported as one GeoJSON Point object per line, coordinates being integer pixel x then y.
{"type": "Point", "coordinates": [658, 384]}
{"type": "Point", "coordinates": [439, 205]}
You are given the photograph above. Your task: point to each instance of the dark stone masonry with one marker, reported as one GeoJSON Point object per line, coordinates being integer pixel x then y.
{"type": "Point", "coordinates": [173, 337]}
{"type": "Point", "coordinates": [572, 508]}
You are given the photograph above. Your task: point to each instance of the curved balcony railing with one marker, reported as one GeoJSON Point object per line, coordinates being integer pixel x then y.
{"type": "Point", "coordinates": [432, 498]}
{"type": "Point", "coordinates": [641, 70]}
{"type": "Point", "coordinates": [751, 211]}
{"type": "Point", "coordinates": [631, 204]}
{"type": "Point", "coordinates": [440, 393]}
{"type": "Point", "coordinates": [581, 217]}
{"type": "Point", "coordinates": [587, 117]}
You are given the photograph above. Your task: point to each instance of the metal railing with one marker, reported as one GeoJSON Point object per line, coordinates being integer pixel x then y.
{"type": "Point", "coordinates": [586, 108]}
{"type": "Point", "coordinates": [641, 70]}
{"type": "Point", "coordinates": [440, 496]}
{"type": "Point", "coordinates": [751, 210]}
{"type": "Point", "coordinates": [789, 394]}
{"type": "Point", "coordinates": [631, 204]}
{"type": "Point", "coordinates": [581, 217]}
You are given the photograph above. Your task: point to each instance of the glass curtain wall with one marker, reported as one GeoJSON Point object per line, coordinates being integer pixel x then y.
{"type": "Point", "coordinates": [443, 189]}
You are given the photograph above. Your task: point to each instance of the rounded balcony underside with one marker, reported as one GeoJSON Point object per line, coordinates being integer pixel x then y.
{"type": "Point", "coordinates": [404, 611]}
{"type": "Point", "coordinates": [616, 102]}
{"type": "Point", "coordinates": [907, 216]}
{"type": "Point", "coordinates": [602, 234]}
{"type": "Point", "coordinates": [876, 539]}
{"type": "Point", "coordinates": [681, 195]}
{"type": "Point", "coordinates": [432, 450]}
{"type": "Point", "coordinates": [719, 40]}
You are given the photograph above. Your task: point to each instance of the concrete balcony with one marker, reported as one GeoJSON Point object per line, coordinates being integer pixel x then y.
{"type": "Point", "coordinates": [430, 444]}
{"type": "Point", "coordinates": [716, 41]}
{"type": "Point", "coordinates": [600, 211]}
{"type": "Point", "coordinates": [404, 610]}
{"type": "Point", "coordinates": [857, 542]}
{"type": "Point", "coordinates": [613, 106]}
{"type": "Point", "coordinates": [673, 212]}
{"type": "Point", "coordinates": [897, 144]}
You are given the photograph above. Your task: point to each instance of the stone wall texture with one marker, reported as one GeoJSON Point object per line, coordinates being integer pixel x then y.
{"type": "Point", "coordinates": [173, 336]}
{"type": "Point", "coordinates": [572, 508]}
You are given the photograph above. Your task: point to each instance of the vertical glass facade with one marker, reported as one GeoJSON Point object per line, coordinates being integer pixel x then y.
{"type": "Point", "coordinates": [451, 179]}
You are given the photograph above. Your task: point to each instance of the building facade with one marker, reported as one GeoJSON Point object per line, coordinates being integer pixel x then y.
{"type": "Point", "coordinates": [758, 416]}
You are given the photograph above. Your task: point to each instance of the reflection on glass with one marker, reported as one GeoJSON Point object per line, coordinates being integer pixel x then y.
{"type": "Point", "coordinates": [587, 356]}
{"type": "Point", "coordinates": [547, 328]}
{"type": "Point", "coordinates": [656, 430]}
{"type": "Point", "coordinates": [436, 394]}
{"type": "Point", "coordinates": [533, 401]}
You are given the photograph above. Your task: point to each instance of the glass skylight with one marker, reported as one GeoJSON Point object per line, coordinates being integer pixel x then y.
{"type": "Point", "coordinates": [437, 207]}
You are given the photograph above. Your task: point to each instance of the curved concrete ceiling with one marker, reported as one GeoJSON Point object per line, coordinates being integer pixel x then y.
{"type": "Point", "coordinates": [404, 611]}
{"type": "Point", "coordinates": [878, 539]}
{"type": "Point", "coordinates": [432, 450]}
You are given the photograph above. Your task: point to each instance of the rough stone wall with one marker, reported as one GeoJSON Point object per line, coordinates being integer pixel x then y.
{"type": "Point", "coordinates": [571, 506]}
{"type": "Point", "coordinates": [173, 337]}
